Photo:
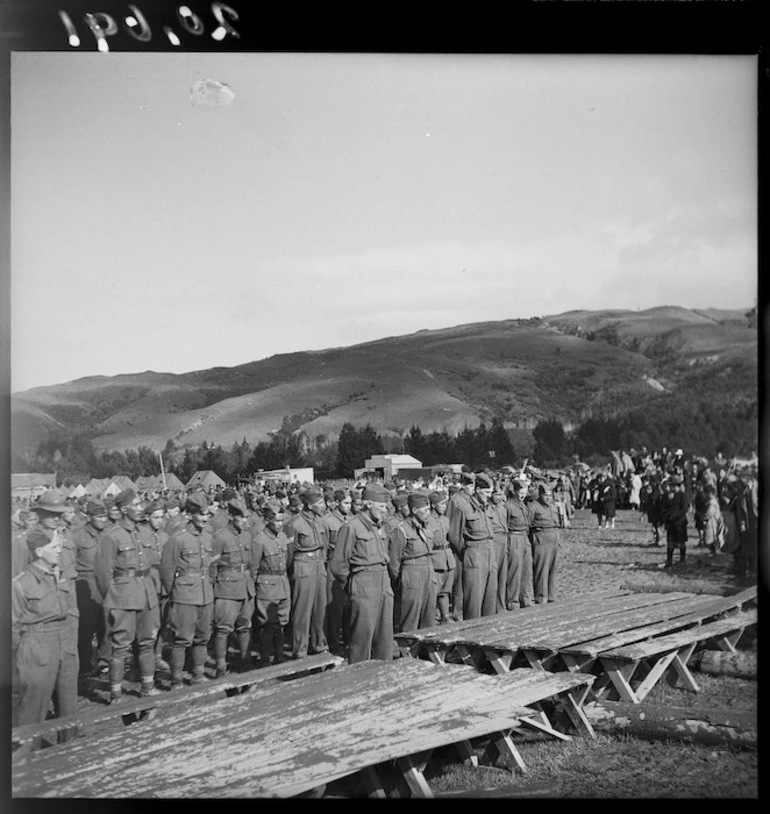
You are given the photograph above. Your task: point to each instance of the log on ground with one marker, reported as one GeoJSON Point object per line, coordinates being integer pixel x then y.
{"type": "Point", "coordinates": [659, 722]}
{"type": "Point", "coordinates": [742, 664]}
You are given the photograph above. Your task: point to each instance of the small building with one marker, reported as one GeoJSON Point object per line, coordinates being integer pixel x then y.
{"type": "Point", "coordinates": [32, 484]}
{"type": "Point", "coordinates": [388, 466]}
{"type": "Point", "coordinates": [287, 475]}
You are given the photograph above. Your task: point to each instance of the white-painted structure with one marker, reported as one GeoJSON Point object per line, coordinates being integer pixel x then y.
{"type": "Point", "coordinates": [390, 465]}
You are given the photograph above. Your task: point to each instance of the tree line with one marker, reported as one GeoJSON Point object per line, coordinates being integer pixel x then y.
{"type": "Point", "coordinates": [699, 428]}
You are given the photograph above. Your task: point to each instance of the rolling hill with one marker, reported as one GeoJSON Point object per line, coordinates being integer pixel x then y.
{"type": "Point", "coordinates": [567, 366]}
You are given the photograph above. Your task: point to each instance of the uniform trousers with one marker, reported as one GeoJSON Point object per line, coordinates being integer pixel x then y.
{"type": "Point", "coordinates": [124, 627]}
{"type": "Point", "coordinates": [272, 616]}
{"type": "Point", "coordinates": [479, 580]}
{"type": "Point", "coordinates": [415, 595]}
{"type": "Point", "coordinates": [232, 615]}
{"type": "Point", "coordinates": [90, 624]}
{"type": "Point", "coordinates": [336, 601]}
{"type": "Point", "coordinates": [308, 606]}
{"type": "Point", "coordinates": [501, 555]}
{"type": "Point", "coordinates": [190, 626]}
{"type": "Point", "coordinates": [544, 564]}
{"type": "Point", "coordinates": [46, 667]}
{"type": "Point", "coordinates": [457, 588]}
{"type": "Point", "coordinates": [519, 567]}
{"type": "Point", "coordinates": [371, 615]}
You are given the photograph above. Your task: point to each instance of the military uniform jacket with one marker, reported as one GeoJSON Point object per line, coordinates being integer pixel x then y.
{"type": "Point", "coordinates": [122, 568]}
{"type": "Point", "coordinates": [158, 540]}
{"type": "Point", "coordinates": [443, 557]}
{"type": "Point", "coordinates": [310, 534]}
{"type": "Point", "coordinates": [499, 519]}
{"type": "Point", "coordinates": [271, 556]}
{"type": "Point", "coordinates": [38, 596]}
{"type": "Point", "coordinates": [333, 521]}
{"type": "Point", "coordinates": [409, 542]}
{"type": "Point", "coordinates": [542, 517]}
{"type": "Point", "coordinates": [471, 524]}
{"type": "Point", "coordinates": [87, 541]}
{"type": "Point", "coordinates": [360, 544]}
{"type": "Point", "coordinates": [232, 566]}
{"type": "Point", "coordinates": [185, 566]}
{"type": "Point", "coordinates": [518, 516]}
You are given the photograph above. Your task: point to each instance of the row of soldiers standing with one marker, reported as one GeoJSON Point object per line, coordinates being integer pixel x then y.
{"type": "Point", "coordinates": [342, 571]}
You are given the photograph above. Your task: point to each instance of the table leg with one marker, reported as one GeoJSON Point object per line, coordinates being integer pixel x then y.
{"type": "Point", "coordinates": [412, 768]}
{"type": "Point", "coordinates": [467, 753]}
{"type": "Point", "coordinates": [681, 657]}
{"type": "Point", "coordinates": [371, 783]}
{"type": "Point", "coordinates": [620, 675]}
{"type": "Point", "coordinates": [652, 678]}
{"type": "Point", "coordinates": [576, 715]}
{"type": "Point", "coordinates": [506, 750]}
{"type": "Point", "coordinates": [500, 661]}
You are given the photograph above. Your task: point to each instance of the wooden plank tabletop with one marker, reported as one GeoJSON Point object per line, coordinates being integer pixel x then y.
{"type": "Point", "coordinates": [711, 609]}
{"type": "Point", "coordinates": [284, 738]}
{"type": "Point", "coordinates": [178, 698]}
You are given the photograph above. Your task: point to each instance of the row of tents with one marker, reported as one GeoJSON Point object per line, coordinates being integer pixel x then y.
{"type": "Point", "coordinates": [31, 485]}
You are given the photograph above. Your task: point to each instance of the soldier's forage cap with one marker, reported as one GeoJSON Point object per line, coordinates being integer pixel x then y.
{"type": "Point", "coordinates": [372, 491]}
{"type": "Point", "coordinates": [418, 499]}
{"type": "Point", "coordinates": [328, 492]}
{"type": "Point", "coordinates": [154, 506]}
{"type": "Point", "coordinates": [483, 481]}
{"type": "Point", "coordinates": [126, 496]}
{"type": "Point", "coordinates": [197, 503]}
{"type": "Point", "coordinates": [237, 506]}
{"type": "Point", "coordinates": [109, 501]}
{"type": "Point", "coordinates": [272, 509]}
{"type": "Point", "coordinates": [340, 494]}
{"type": "Point", "coordinates": [95, 508]}
{"type": "Point", "coordinates": [467, 477]}
{"type": "Point", "coordinates": [51, 501]}
{"type": "Point", "coordinates": [82, 501]}
{"type": "Point", "coordinates": [294, 501]}
{"type": "Point", "coordinates": [437, 497]}
{"type": "Point", "coordinates": [37, 538]}
{"type": "Point", "coordinates": [172, 503]}
{"type": "Point", "coordinates": [400, 499]}
{"type": "Point", "coordinates": [310, 497]}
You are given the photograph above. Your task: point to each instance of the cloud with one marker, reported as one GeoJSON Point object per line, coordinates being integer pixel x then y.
{"type": "Point", "coordinates": [208, 93]}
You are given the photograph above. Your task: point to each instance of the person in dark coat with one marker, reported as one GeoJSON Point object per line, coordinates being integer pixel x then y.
{"type": "Point", "coordinates": [651, 498]}
{"type": "Point", "coordinates": [674, 508]}
{"type": "Point", "coordinates": [608, 496]}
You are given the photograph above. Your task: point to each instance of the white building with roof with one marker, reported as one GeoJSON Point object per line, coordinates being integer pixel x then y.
{"type": "Point", "coordinates": [391, 465]}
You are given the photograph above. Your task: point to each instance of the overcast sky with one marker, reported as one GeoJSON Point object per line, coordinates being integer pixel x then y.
{"type": "Point", "coordinates": [312, 200]}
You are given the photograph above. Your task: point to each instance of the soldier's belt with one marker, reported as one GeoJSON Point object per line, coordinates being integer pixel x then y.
{"type": "Point", "coordinates": [193, 573]}
{"type": "Point", "coordinates": [478, 543]}
{"type": "Point", "coordinates": [518, 531]}
{"type": "Point", "coordinates": [272, 573]}
{"type": "Point", "coordinates": [44, 627]}
{"type": "Point", "coordinates": [240, 567]}
{"type": "Point", "coordinates": [376, 567]}
{"type": "Point", "coordinates": [130, 572]}
{"type": "Point", "coordinates": [421, 560]}
{"type": "Point", "coordinates": [312, 554]}
{"type": "Point", "coordinates": [441, 547]}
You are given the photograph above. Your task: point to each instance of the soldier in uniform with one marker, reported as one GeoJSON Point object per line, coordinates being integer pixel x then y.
{"type": "Point", "coordinates": [462, 495]}
{"type": "Point", "coordinates": [519, 561]}
{"type": "Point", "coordinates": [123, 572]}
{"type": "Point", "coordinates": [544, 533]}
{"type": "Point", "coordinates": [360, 562]}
{"type": "Point", "coordinates": [91, 622]}
{"type": "Point", "coordinates": [308, 577]}
{"type": "Point", "coordinates": [153, 529]}
{"type": "Point", "coordinates": [410, 552]}
{"type": "Point", "coordinates": [500, 532]}
{"type": "Point", "coordinates": [400, 503]}
{"type": "Point", "coordinates": [113, 511]}
{"type": "Point", "coordinates": [185, 574]}
{"type": "Point", "coordinates": [443, 557]}
{"type": "Point", "coordinates": [231, 571]}
{"type": "Point", "coordinates": [44, 650]}
{"type": "Point", "coordinates": [336, 604]}
{"type": "Point", "coordinates": [271, 553]}
{"type": "Point", "coordinates": [472, 535]}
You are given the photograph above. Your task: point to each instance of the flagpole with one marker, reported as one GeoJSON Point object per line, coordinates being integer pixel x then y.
{"type": "Point", "coordinates": [162, 472]}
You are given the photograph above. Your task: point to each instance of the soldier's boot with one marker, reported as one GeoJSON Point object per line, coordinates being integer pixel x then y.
{"type": "Point", "coordinates": [147, 671]}
{"type": "Point", "coordinates": [244, 649]}
{"type": "Point", "coordinates": [278, 641]}
{"type": "Point", "coordinates": [220, 654]}
{"type": "Point", "coordinates": [199, 663]}
{"type": "Point", "coordinates": [669, 558]}
{"type": "Point", "coordinates": [266, 643]}
{"type": "Point", "coordinates": [148, 686]}
{"type": "Point", "coordinates": [177, 665]}
{"type": "Point", "coordinates": [682, 554]}
{"type": "Point", "coordinates": [160, 662]}
{"type": "Point", "coordinates": [117, 668]}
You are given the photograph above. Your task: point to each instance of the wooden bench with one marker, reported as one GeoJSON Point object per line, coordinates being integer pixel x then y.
{"type": "Point", "coordinates": [289, 738]}
{"type": "Point", "coordinates": [659, 653]}
{"type": "Point", "coordinates": [56, 730]}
